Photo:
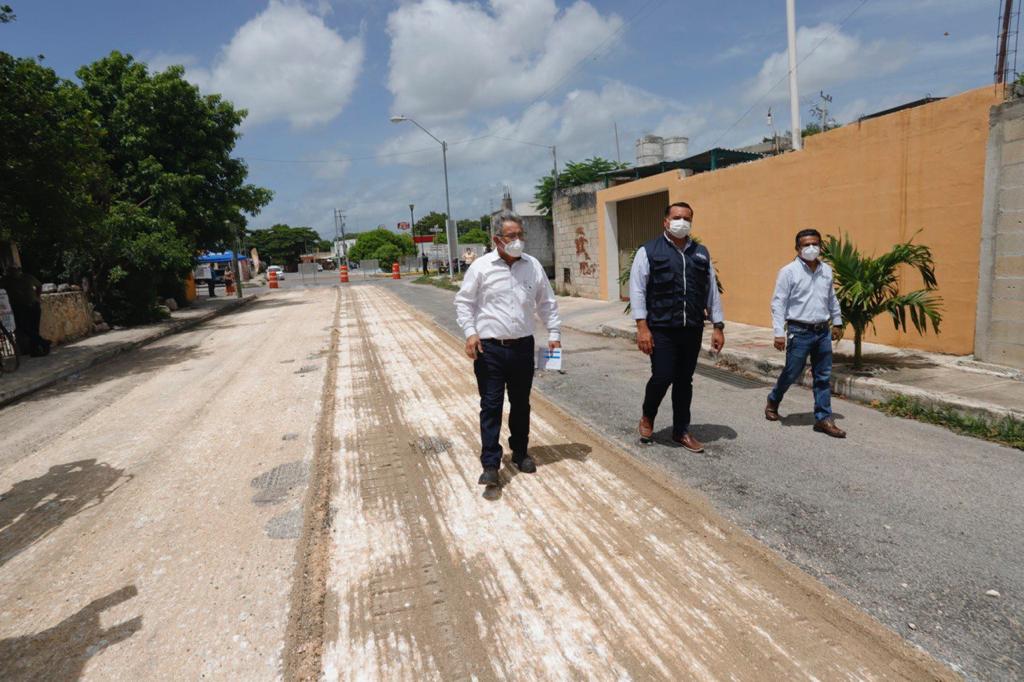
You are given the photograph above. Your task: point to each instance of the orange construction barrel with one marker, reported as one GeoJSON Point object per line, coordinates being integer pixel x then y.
{"type": "Point", "coordinates": [343, 274]}
{"type": "Point", "coordinates": [395, 273]}
{"type": "Point", "coordinates": [272, 280]}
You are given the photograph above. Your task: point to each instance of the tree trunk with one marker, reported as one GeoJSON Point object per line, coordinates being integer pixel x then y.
{"type": "Point", "coordinates": [857, 337]}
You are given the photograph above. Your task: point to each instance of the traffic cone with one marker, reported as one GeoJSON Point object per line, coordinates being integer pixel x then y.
{"type": "Point", "coordinates": [343, 274]}
{"type": "Point", "coordinates": [395, 273]}
{"type": "Point", "coordinates": [272, 280]}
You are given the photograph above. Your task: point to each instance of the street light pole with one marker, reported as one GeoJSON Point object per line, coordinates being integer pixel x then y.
{"type": "Point", "coordinates": [794, 94]}
{"type": "Point", "coordinates": [453, 237]}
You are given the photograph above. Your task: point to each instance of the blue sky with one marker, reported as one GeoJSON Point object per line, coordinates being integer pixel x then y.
{"type": "Point", "coordinates": [321, 77]}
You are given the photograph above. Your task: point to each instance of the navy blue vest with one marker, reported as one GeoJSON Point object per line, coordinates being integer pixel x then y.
{"type": "Point", "coordinates": [677, 290]}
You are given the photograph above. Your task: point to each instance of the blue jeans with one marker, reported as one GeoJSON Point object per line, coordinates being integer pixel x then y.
{"type": "Point", "coordinates": [497, 369]}
{"type": "Point", "coordinates": [800, 343]}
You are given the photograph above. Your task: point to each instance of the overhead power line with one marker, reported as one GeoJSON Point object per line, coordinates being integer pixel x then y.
{"type": "Point", "coordinates": [779, 82]}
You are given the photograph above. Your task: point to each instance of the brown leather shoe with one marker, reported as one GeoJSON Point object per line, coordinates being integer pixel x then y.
{"type": "Point", "coordinates": [646, 428]}
{"type": "Point", "coordinates": [771, 411]}
{"type": "Point", "coordinates": [689, 442]}
{"type": "Point", "coordinates": [828, 426]}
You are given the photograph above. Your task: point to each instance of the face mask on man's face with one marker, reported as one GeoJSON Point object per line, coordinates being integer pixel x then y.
{"type": "Point", "coordinates": [514, 248]}
{"type": "Point", "coordinates": [679, 228]}
{"type": "Point", "coordinates": [810, 252]}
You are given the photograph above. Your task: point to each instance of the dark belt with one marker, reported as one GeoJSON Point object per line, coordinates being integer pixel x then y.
{"type": "Point", "coordinates": [508, 342]}
{"type": "Point", "coordinates": [812, 326]}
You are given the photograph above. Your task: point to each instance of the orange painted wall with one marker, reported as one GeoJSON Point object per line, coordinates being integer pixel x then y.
{"type": "Point", "coordinates": [880, 181]}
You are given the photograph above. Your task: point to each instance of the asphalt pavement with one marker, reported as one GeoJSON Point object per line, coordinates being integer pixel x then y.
{"type": "Point", "coordinates": [916, 525]}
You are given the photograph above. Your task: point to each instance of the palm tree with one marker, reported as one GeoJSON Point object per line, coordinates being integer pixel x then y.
{"type": "Point", "coordinates": [868, 287]}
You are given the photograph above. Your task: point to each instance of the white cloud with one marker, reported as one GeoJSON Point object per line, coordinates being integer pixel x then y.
{"type": "Point", "coordinates": [837, 58]}
{"type": "Point", "coordinates": [286, 63]}
{"type": "Point", "coordinates": [449, 58]}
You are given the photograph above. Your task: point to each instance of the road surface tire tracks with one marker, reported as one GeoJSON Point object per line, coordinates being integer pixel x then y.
{"type": "Point", "coordinates": [305, 632]}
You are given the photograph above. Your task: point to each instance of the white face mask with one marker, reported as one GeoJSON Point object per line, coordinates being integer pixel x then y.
{"type": "Point", "coordinates": [514, 248]}
{"type": "Point", "coordinates": [679, 228]}
{"type": "Point", "coordinates": [810, 253]}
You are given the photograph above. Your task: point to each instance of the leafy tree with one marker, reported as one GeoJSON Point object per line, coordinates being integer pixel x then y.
{"type": "Point", "coordinates": [325, 245]}
{"type": "Point", "coordinates": [425, 225]}
{"type": "Point", "coordinates": [475, 236]}
{"type": "Point", "coordinates": [869, 286]}
{"type": "Point", "coordinates": [283, 244]}
{"type": "Point", "coordinates": [173, 179]}
{"type": "Point", "coordinates": [53, 181]}
{"type": "Point", "coordinates": [6, 14]}
{"type": "Point", "coordinates": [575, 173]}
{"type": "Point", "coordinates": [383, 245]}
{"type": "Point", "coordinates": [810, 129]}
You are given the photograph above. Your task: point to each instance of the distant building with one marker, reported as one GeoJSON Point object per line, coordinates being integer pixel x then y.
{"type": "Point", "coordinates": [540, 236]}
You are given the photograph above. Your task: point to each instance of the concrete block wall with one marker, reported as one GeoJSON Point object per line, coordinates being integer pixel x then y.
{"type": "Point", "coordinates": [576, 241]}
{"type": "Point", "coordinates": [999, 331]}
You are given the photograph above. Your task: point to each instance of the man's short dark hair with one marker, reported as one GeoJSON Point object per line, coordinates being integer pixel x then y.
{"type": "Point", "coordinates": [680, 204]}
{"type": "Point", "coordinates": [810, 232]}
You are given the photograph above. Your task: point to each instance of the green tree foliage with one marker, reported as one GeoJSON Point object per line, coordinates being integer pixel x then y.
{"type": "Point", "coordinates": [382, 245]}
{"type": "Point", "coordinates": [283, 244]}
{"type": "Point", "coordinates": [575, 173]}
{"type": "Point", "coordinates": [325, 245]}
{"type": "Point", "coordinates": [120, 179]}
{"type": "Point", "coordinates": [869, 286]}
{"type": "Point", "coordinates": [53, 182]}
{"type": "Point", "coordinates": [425, 224]}
{"type": "Point", "coordinates": [6, 14]}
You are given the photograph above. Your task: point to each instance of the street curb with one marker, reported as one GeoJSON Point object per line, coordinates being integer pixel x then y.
{"type": "Point", "coordinates": [862, 389]}
{"type": "Point", "coordinates": [13, 395]}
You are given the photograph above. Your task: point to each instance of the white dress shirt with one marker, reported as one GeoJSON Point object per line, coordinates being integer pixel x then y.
{"type": "Point", "coordinates": [641, 273]}
{"type": "Point", "coordinates": [499, 301]}
{"type": "Point", "coordinates": [804, 295]}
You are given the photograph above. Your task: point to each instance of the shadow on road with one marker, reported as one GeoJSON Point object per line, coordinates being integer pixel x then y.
{"type": "Point", "coordinates": [543, 455]}
{"type": "Point", "coordinates": [706, 433]}
{"type": "Point", "coordinates": [803, 419]}
{"type": "Point", "coordinates": [33, 508]}
{"type": "Point", "coordinates": [61, 652]}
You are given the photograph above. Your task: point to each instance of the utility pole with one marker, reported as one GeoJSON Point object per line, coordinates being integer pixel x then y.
{"type": "Point", "coordinates": [1004, 34]}
{"type": "Point", "coordinates": [412, 226]}
{"type": "Point", "coordinates": [794, 94]}
{"type": "Point", "coordinates": [618, 156]}
{"type": "Point", "coordinates": [554, 193]}
{"type": "Point", "coordinates": [339, 228]}
{"type": "Point", "coordinates": [821, 110]}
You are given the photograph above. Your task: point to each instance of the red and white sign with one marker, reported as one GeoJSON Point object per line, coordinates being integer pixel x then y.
{"type": "Point", "coordinates": [423, 238]}
{"type": "Point", "coordinates": [403, 226]}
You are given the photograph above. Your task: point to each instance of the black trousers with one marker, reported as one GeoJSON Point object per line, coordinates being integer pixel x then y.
{"type": "Point", "coordinates": [673, 362]}
{"type": "Point", "coordinates": [499, 368]}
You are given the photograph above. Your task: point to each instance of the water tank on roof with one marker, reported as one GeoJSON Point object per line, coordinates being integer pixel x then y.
{"type": "Point", "coordinates": [675, 148]}
{"type": "Point", "coordinates": [649, 150]}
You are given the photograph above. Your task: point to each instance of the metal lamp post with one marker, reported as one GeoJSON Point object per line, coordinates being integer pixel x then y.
{"type": "Point", "coordinates": [453, 239]}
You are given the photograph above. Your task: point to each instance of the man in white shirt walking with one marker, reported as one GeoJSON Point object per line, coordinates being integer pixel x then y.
{"type": "Point", "coordinates": [805, 303]}
{"type": "Point", "coordinates": [501, 293]}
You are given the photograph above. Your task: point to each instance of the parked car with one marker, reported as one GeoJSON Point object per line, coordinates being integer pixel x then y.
{"type": "Point", "coordinates": [278, 269]}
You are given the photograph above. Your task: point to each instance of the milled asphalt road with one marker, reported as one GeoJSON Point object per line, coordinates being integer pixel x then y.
{"type": "Point", "coordinates": [909, 521]}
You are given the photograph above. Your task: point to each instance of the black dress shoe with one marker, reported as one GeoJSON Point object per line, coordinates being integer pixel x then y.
{"type": "Point", "coordinates": [489, 476]}
{"type": "Point", "coordinates": [525, 464]}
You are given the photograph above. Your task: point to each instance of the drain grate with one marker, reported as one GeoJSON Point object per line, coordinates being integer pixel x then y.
{"type": "Point", "coordinates": [432, 445]}
{"type": "Point", "coordinates": [726, 377]}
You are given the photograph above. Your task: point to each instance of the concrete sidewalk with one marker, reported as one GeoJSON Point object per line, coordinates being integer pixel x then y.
{"type": "Point", "coordinates": [943, 381]}
{"type": "Point", "coordinates": [68, 360]}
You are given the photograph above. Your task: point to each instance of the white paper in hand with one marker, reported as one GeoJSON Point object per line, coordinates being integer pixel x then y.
{"type": "Point", "coordinates": [549, 359]}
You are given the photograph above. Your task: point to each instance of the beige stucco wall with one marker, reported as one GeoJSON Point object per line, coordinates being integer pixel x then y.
{"type": "Point", "coordinates": [880, 181]}
{"type": "Point", "coordinates": [65, 316]}
{"type": "Point", "coordinates": [576, 241]}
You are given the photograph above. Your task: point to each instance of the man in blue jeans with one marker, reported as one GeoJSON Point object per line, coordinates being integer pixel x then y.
{"type": "Point", "coordinates": [804, 303]}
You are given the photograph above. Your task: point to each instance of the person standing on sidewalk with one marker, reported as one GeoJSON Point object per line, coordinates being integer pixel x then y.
{"type": "Point", "coordinates": [672, 289]}
{"type": "Point", "coordinates": [805, 302]}
{"type": "Point", "coordinates": [501, 293]}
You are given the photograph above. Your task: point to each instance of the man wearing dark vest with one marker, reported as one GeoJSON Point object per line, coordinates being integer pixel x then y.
{"type": "Point", "coordinates": [672, 290]}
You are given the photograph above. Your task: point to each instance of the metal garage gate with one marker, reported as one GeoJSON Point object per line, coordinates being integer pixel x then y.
{"type": "Point", "coordinates": [639, 220]}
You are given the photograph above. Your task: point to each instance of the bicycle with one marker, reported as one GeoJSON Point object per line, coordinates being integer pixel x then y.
{"type": "Point", "coordinates": [8, 351]}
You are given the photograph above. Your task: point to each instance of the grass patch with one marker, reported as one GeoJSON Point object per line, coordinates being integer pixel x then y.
{"type": "Point", "coordinates": [439, 282]}
{"type": "Point", "coordinates": [1008, 431]}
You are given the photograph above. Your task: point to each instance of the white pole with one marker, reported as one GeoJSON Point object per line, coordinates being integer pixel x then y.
{"type": "Point", "coordinates": [794, 94]}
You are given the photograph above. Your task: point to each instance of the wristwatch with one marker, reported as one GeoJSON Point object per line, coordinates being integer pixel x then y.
{"type": "Point", "coordinates": [719, 325]}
